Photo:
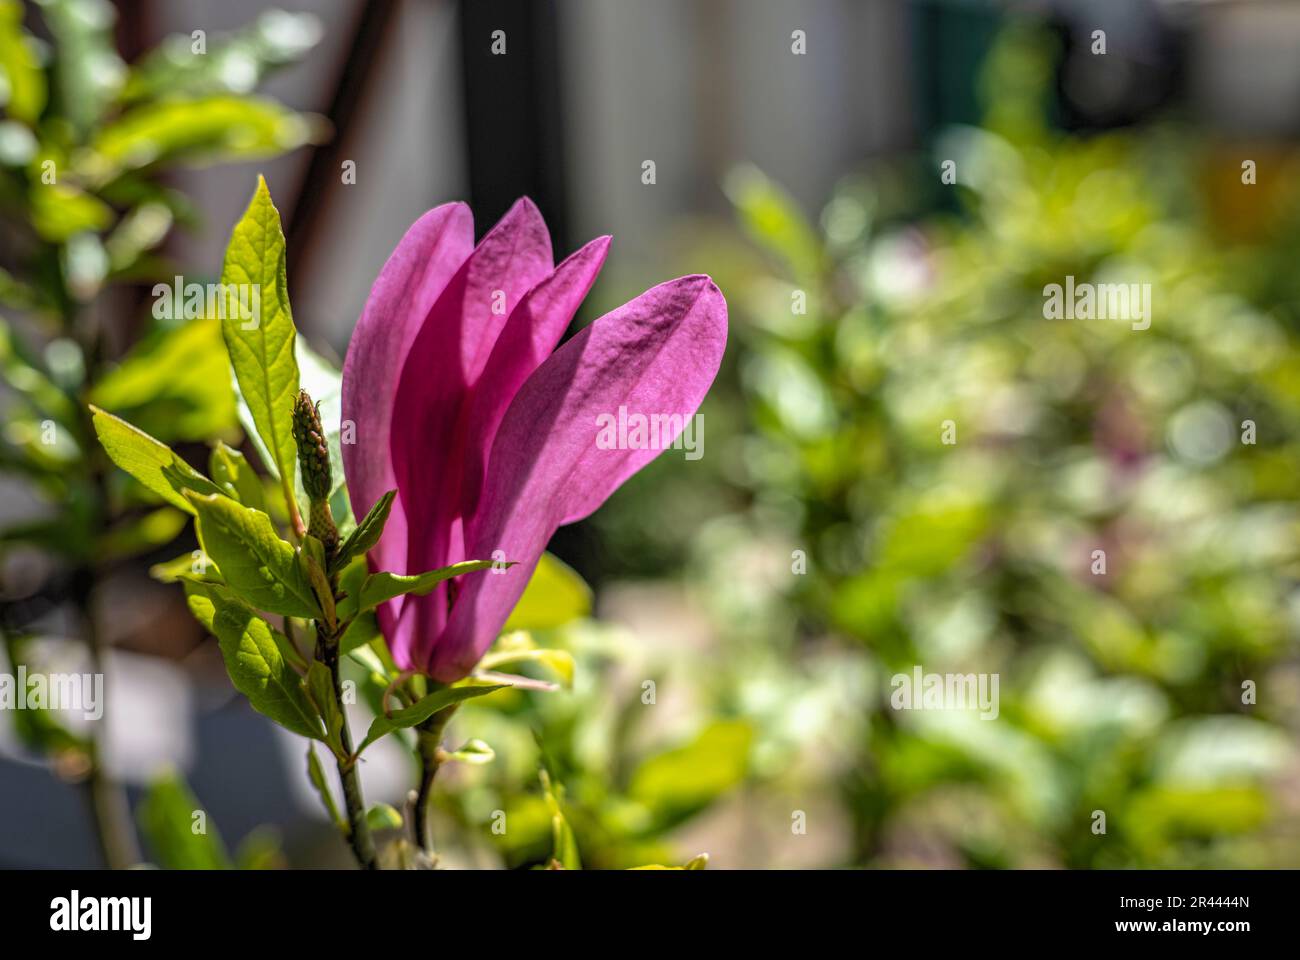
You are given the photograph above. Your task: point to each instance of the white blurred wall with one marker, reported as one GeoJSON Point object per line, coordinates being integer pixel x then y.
{"type": "Point", "coordinates": [699, 86]}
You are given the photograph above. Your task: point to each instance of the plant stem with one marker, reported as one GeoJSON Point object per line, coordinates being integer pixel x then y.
{"type": "Point", "coordinates": [112, 813]}
{"type": "Point", "coordinates": [362, 843]}
{"type": "Point", "coordinates": [108, 803]}
{"type": "Point", "coordinates": [429, 736]}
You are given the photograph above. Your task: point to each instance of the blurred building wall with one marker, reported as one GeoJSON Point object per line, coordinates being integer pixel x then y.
{"type": "Point", "coordinates": [700, 86]}
{"type": "Point", "coordinates": [406, 142]}
{"type": "Point", "coordinates": [695, 86]}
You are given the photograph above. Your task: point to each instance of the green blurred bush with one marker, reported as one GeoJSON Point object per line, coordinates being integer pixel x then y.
{"type": "Point", "coordinates": [1121, 693]}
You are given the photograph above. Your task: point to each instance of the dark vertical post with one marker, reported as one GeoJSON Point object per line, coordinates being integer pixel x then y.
{"type": "Point", "coordinates": [350, 88]}
{"type": "Point", "coordinates": [512, 110]}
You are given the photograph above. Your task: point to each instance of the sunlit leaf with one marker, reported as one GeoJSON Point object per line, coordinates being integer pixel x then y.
{"type": "Point", "coordinates": [383, 586]}
{"type": "Point", "coordinates": [152, 463]}
{"type": "Point", "coordinates": [555, 595]}
{"type": "Point", "coordinates": [174, 384]}
{"type": "Point", "coordinates": [564, 845]}
{"type": "Point", "coordinates": [261, 346]}
{"type": "Point", "coordinates": [680, 781]}
{"type": "Point", "coordinates": [170, 817]}
{"type": "Point", "coordinates": [259, 567]}
{"type": "Point", "coordinates": [234, 475]}
{"type": "Point", "coordinates": [426, 707]}
{"type": "Point", "coordinates": [22, 82]}
{"type": "Point", "coordinates": [382, 816]}
{"type": "Point", "coordinates": [253, 658]}
{"type": "Point", "coordinates": [773, 220]}
{"type": "Point", "coordinates": [197, 131]}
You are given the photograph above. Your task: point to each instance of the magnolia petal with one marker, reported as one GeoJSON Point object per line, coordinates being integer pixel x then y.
{"type": "Point", "coordinates": [528, 338]}
{"type": "Point", "coordinates": [655, 355]}
{"type": "Point", "coordinates": [427, 257]}
{"type": "Point", "coordinates": [445, 360]}
{"type": "Point", "coordinates": [533, 329]}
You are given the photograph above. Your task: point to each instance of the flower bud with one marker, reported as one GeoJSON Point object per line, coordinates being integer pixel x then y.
{"type": "Point", "coordinates": [314, 459]}
{"type": "Point", "coordinates": [313, 451]}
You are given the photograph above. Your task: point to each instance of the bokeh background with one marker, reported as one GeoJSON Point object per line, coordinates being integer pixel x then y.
{"type": "Point", "coordinates": [778, 173]}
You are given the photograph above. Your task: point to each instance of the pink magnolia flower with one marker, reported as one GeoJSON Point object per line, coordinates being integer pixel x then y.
{"type": "Point", "coordinates": [489, 437]}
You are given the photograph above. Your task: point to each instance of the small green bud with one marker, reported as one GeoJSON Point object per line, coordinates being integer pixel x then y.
{"type": "Point", "coordinates": [314, 459]}
{"type": "Point", "coordinates": [313, 451]}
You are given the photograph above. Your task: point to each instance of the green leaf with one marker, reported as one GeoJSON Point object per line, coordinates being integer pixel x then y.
{"type": "Point", "coordinates": [23, 373]}
{"type": "Point", "coordinates": [198, 131]}
{"type": "Point", "coordinates": [179, 839]}
{"type": "Point", "coordinates": [426, 707]}
{"type": "Point", "coordinates": [22, 82]}
{"type": "Point", "coordinates": [695, 863]}
{"type": "Point", "coordinates": [204, 610]}
{"type": "Point", "coordinates": [38, 729]}
{"type": "Point", "coordinates": [194, 566]}
{"type": "Point", "coordinates": [142, 534]}
{"type": "Point", "coordinates": [678, 782]}
{"type": "Point", "coordinates": [367, 658]}
{"type": "Point", "coordinates": [311, 558]}
{"type": "Point", "coordinates": [260, 850]}
{"type": "Point", "coordinates": [773, 221]}
{"type": "Point", "coordinates": [262, 347]}
{"type": "Point", "coordinates": [202, 596]}
{"type": "Point", "coordinates": [379, 587]}
{"type": "Point", "coordinates": [351, 579]}
{"type": "Point", "coordinates": [150, 462]}
{"type": "Point", "coordinates": [518, 647]}
{"type": "Point", "coordinates": [317, 777]}
{"type": "Point", "coordinates": [381, 816]}
{"type": "Point", "coordinates": [174, 384]}
{"type": "Point", "coordinates": [366, 534]}
{"type": "Point", "coordinates": [473, 751]}
{"type": "Point", "coordinates": [88, 73]}
{"type": "Point", "coordinates": [252, 653]}
{"type": "Point", "coordinates": [362, 630]}
{"type": "Point", "coordinates": [139, 231]}
{"type": "Point", "coordinates": [555, 595]}
{"type": "Point", "coordinates": [259, 567]}
{"type": "Point", "coordinates": [320, 685]}
{"type": "Point", "coordinates": [232, 472]}
{"type": "Point", "coordinates": [60, 211]}
{"type": "Point", "coordinates": [564, 844]}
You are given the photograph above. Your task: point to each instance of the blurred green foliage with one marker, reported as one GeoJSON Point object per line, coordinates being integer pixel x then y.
{"type": "Point", "coordinates": [833, 538]}
{"type": "Point", "coordinates": [1120, 692]}
{"type": "Point", "coordinates": [86, 145]}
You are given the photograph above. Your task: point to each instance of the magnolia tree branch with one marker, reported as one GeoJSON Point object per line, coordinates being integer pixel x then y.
{"type": "Point", "coordinates": [314, 465]}
{"type": "Point", "coordinates": [108, 802]}
{"type": "Point", "coordinates": [429, 735]}
{"type": "Point", "coordinates": [362, 843]}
